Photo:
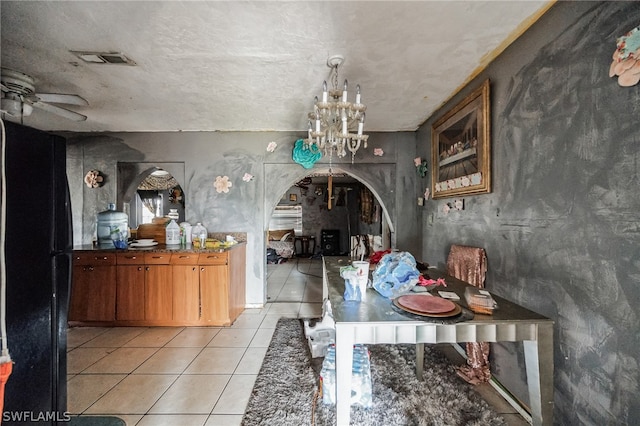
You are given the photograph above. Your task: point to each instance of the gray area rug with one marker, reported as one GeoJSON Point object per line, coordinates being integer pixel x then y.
{"type": "Point", "coordinates": [285, 389]}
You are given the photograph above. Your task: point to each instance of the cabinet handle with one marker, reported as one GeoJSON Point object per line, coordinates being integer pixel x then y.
{"type": "Point", "coordinates": [147, 268]}
{"type": "Point", "coordinates": [101, 258]}
{"type": "Point", "coordinates": [212, 257]}
{"type": "Point", "coordinates": [202, 269]}
{"type": "Point", "coordinates": [185, 257]}
{"type": "Point", "coordinates": [139, 268]}
{"type": "Point", "coordinates": [131, 257]}
{"type": "Point", "coordinates": [157, 257]}
{"type": "Point", "coordinates": [91, 268]}
{"type": "Point", "coordinates": [194, 268]}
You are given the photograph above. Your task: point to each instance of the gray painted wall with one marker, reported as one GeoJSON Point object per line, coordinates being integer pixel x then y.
{"type": "Point", "coordinates": [247, 207]}
{"type": "Point", "coordinates": [562, 226]}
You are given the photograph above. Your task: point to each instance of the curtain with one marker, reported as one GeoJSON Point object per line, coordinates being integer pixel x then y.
{"type": "Point", "coordinates": [150, 204]}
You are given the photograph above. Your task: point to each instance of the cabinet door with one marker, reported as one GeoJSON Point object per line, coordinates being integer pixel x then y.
{"type": "Point", "coordinates": [215, 294]}
{"type": "Point", "coordinates": [130, 292]}
{"type": "Point", "coordinates": [80, 293]}
{"type": "Point", "coordinates": [158, 295]}
{"type": "Point", "coordinates": [93, 293]}
{"type": "Point", "coordinates": [186, 293]}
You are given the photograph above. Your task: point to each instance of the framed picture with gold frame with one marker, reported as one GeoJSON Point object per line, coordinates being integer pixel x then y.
{"type": "Point", "coordinates": [461, 148]}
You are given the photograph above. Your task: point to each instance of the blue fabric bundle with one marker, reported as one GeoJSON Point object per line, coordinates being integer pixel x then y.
{"type": "Point", "coordinates": [395, 274]}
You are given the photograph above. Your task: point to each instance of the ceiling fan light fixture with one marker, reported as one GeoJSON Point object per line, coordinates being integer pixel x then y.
{"type": "Point", "coordinates": [26, 109]}
{"type": "Point", "coordinates": [114, 58]}
{"type": "Point", "coordinates": [11, 106]}
{"type": "Point", "coordinates": [15, 107]}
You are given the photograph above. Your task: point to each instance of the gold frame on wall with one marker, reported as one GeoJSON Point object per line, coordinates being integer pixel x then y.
{"type": "Point", "coordinates": [461, 148]}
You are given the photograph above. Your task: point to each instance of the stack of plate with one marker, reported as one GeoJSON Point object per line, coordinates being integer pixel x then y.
{"type": "Point", "coordinates": [143, 243]}
{"type": "Point", "coordinates": [427, 305]}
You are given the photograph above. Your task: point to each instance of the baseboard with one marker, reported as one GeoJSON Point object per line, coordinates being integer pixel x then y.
{"type": "Point", "coordinates": [511, 400]}
{"type": "Point", "coordinates": [254, 306]}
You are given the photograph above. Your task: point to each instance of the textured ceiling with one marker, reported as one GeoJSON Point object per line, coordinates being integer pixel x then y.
{"type": "Point", "coordinates": [252, 66]}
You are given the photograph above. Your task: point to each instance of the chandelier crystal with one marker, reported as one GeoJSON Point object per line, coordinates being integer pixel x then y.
{"type": "Point", "coordinates": [335, 124]}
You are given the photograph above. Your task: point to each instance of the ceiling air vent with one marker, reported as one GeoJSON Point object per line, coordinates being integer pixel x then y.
{"type": "Point", "coordinates": [104, 58]}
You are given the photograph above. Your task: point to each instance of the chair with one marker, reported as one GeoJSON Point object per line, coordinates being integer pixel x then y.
{"type": "Point", "coordinates": [469, 264]}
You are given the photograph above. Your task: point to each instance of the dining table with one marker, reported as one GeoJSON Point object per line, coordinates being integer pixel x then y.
{"type": "Point", "coordinates": [377, 320]}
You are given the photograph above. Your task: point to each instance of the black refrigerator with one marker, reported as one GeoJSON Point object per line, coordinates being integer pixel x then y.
{"type": "Point", "coordinates": [38, 249]}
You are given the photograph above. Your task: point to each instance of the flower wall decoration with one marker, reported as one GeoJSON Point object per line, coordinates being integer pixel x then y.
{"type": "Point", "coordinates": [378, 152]}
{"type": "Point", "coordinates": [272, 146]}
{"type": "Point", "coordinates": [626, 59]}
{"type": "Point", "coordinates": [305, 156]}
{"type": "Point", "coordinates": [222, 184]}
{"type": "Point", "coordinates": [93, 179]}
{"type": "Point", "coordinates": [421, 166]}
{"type": "Point", "coordinates": [247, 177]}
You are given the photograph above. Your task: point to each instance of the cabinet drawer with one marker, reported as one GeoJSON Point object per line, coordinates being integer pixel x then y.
{"type": "Point", "coordinates": [157, 258]}
{"type": "Point", "coordinates": [93, 259]}
{"type": "Point", "coordinates": [130, 258]}
{"type": "Point", "coordinates": [184, 259]}
{"type": "Point", "coordinates": [213, 258]}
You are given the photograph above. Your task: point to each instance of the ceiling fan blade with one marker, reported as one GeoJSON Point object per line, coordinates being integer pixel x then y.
{"type": "Point", "coordinates": [71, 115]}
{"type": "Point", "coordinates": [62, 98]}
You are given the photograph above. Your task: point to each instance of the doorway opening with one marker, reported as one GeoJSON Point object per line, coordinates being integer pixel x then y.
{"type": "Point", "coordinates": [339, 216]}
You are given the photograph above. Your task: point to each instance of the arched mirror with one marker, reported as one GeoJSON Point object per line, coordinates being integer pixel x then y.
{"type": "Point", "coordinates": [149, 192]}
{"type": "Point", "coordinates": [158, 195]}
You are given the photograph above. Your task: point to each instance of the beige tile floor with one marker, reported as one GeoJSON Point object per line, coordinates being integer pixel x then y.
{"type": "Point", "coordinates": [200, 376]}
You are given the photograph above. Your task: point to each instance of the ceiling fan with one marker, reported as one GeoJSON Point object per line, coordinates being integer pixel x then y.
{"type": "Point", "coordinates": [19, 97]}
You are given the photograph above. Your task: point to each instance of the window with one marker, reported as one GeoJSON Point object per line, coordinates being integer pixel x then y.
{"type": "Point", "coordinates": [149, 205]}
{"type": "Point", "coordinates": [287, 217]}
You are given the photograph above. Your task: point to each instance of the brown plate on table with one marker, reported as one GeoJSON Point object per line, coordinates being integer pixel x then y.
{"type": "Point", "coordinates": [428, 306]}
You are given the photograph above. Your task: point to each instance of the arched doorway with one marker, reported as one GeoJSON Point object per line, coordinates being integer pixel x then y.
{"type": "Point", "coordinates": [330, 213]}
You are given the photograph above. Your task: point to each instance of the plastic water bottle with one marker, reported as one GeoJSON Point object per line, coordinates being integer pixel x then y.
{"type": "Point", "coordinates": [360, 377]}
{"type": "Point", "coordinates": [328, 376]}
{"type": "Point", "coordinates": [173, 234]}
{"type": "Point", "coordinates": [199, 236]}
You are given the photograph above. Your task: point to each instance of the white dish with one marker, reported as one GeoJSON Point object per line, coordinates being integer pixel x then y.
{"type": "Point", "coordinates": [144, 241]}
{"type": "Point", "coordinates": [138, 244]}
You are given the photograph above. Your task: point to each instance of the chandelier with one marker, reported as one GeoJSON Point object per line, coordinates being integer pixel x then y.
{"type": "Point", "coordinates": [335, 123]}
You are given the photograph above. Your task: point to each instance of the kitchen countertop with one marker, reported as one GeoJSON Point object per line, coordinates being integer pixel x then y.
{"type": "Point", "coordinates": [160, 248]}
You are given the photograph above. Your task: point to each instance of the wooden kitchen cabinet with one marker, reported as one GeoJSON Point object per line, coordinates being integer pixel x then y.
{"type": "Point", "coordinates": [158, 288]}
{"type": "Point", "coordinates": [186, 287]}
{"type": "Point", "coordinates": [93, 288]}
{"type": "Point", "coordinates": [130, 288]}
{"type": "Point", "coordinates": [222, 286]}
{"type": "Point", "coordinates": [214, 295]}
